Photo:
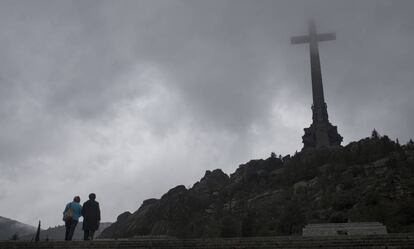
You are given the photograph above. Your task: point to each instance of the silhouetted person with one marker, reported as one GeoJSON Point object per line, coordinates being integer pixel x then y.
{"type": "Point", "coordinates": [71, 215]}
{"type": "Point", "coordinates": [91, 217]}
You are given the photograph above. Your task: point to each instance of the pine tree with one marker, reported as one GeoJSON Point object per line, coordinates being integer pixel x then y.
{"type": "Point", "coordinates": [15, 236]}
{"type": "Point", "coordinates": [375, 134]}
{"type": "Point", "coordinates": [37, 238]}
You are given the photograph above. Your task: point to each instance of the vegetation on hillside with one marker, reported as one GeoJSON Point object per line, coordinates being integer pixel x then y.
{"type": "Point", "coordinates": [368, 180]}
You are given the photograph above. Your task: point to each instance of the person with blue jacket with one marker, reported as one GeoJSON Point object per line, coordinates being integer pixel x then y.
{"type": "Point", "coordinates": [71, 215]}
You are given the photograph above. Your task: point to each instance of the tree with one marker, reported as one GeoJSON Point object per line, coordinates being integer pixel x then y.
{"type": "Point", "coordinates": [229, 227]}
{"type": "Point", "coordinates": [292, 219]}
{"type": "Point", "coordinates": [38, 233]}
{"type": "Point", "coordinates": [15, 236]}
{"type": "Point", "coordinates": [338, 217]}
{"type": "Point", "coordinates": [375, 134]}
{"type": "Point", "coordinates": [272, 155]}
{"type": "Point", "coordinates": [247, 225]}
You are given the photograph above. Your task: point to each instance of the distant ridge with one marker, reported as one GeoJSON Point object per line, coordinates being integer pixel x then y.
{"type": "Point", "coordinates": [9, 227]}
{"type": "Point", "coordinates": [58, 232]}
{"type": "Point", "coordinates": [368, 180]}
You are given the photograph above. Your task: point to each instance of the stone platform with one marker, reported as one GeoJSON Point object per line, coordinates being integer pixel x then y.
{"type": "Point", "coordinates": [357, 228]}
{"type": "Point", "coordinates": [390, 241]}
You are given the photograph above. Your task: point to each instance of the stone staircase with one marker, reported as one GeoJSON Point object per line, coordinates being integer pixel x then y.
{"type": "Point", "coordinates": [390, 241]}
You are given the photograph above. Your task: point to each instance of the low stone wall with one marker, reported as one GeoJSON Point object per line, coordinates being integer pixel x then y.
{"type": "Point", "coordinates": [330, 229]}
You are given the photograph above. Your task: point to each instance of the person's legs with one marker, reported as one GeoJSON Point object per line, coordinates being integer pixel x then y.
{"type": "Point", "coordinates": [86, 234]}
{"type": "Point", "coordinates": [72, 229]}
{"type": "Point", "coordinates": [67, 226]}
{"type": "Point", "coordinates": [91, 233]}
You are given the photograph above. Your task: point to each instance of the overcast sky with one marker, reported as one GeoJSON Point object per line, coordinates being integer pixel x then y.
{"type": "Point", "coordinates": [128, 99]}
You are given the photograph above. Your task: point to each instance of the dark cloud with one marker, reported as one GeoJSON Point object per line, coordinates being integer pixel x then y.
{"type": "Point", "coordinates": [138, 96]}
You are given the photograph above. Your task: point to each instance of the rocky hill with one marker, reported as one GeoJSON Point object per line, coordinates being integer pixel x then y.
{"type": "Point", "coordinates": [10, 228]}
{"type": "Point", "coordinates": [368, 180]}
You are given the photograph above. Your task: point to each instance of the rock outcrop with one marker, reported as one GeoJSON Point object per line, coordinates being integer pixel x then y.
{"type": "Point", "coordinates": [369, 180]}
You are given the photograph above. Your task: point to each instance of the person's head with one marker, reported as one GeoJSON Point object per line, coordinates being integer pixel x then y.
{"type": "Point", "coordinates": [76, 199]}
{"type": "Point", "coordinates": [92, 196]}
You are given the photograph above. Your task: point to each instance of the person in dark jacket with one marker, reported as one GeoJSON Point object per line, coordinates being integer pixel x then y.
{"type": "Point", "coordinates": [71, 216]}
{"type": "Point", "coordinates": [91, 217]}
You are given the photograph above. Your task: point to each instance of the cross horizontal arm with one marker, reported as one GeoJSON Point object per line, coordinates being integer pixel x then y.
{"type": "Point", "coordinates": [299, 39]}
{"type": "Point", "coordinates": [320, 37]}
{"type": "Point", "coordinates": [327, 37]}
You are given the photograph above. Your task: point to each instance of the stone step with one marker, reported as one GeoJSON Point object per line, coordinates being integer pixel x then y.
{"type": "Point", "coordinates": [397, 246]}
{"type": "Point", "coordinates": [403, 241]}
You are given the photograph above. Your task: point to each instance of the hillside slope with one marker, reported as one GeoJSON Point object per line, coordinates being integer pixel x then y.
{"type": "Point", "coordinates": [369, 180]}
{"type": "Point", "coordinates": [9, 227]}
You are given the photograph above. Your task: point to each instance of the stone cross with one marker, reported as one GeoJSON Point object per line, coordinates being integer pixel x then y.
{"type": "Point", "coordinates": [321, 133]}
{"type": "Point", "coordinates": [317, 89]}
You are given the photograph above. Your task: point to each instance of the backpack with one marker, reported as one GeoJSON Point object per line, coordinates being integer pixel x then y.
{"type": "Point", "coordinates": [68, 214]}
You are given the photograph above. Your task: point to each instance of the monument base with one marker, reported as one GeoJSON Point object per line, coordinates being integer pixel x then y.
{"type": "Point", "coordinates": [322, 134]}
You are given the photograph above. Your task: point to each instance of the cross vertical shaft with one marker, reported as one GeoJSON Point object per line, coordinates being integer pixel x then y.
{"type": "Point", "coordinates": [317, 88]}
{"type": "Point", "coordinates": [321, 133]}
